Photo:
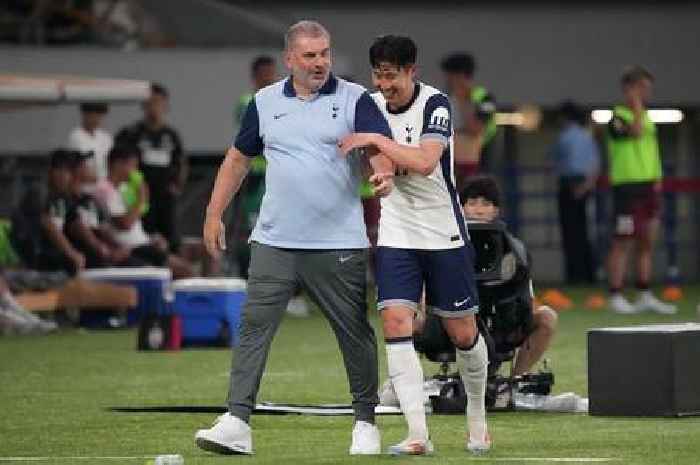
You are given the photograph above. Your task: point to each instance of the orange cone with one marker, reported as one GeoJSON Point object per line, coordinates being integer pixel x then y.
{"type": "Point", "coordinates": [672, 293]}
{"type": "Point", "coordinates": [596, 301]}
{"type": "Point", "coordinates": [557, 300]}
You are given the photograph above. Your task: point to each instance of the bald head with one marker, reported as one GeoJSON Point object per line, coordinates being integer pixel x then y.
{"type": "Point", "coordinates": [309, 29]}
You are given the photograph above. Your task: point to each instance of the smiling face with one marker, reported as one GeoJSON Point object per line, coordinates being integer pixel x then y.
{"type": "Point", "coordinates": [396, 83]}
{"type": "Point", "coordinates": [309, 61]}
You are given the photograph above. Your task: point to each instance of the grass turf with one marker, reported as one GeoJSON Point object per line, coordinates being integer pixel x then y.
{"type": "Point", "coordinates": [55, 392]}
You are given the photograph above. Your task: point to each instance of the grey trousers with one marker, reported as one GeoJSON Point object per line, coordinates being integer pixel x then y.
{"type": "Point", "coordinates": [336, 281]}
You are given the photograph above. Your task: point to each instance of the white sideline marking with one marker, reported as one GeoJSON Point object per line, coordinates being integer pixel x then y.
{"type": "Point", "coordinates": [480, 459]}
{"type": "Point", "coordinates": [545, 459]}
{"type": "Point", "coordinates": [45, 459]}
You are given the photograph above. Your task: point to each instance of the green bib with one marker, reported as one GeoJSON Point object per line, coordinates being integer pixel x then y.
{"type": "Point", "coordinates": [479, 94]}
{"type": "Point", "coordinates": [634, 159]}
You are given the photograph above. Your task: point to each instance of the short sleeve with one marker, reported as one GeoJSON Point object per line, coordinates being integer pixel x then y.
{"type": "Point", "coordinates": [369, 118]}
{"type": "Point", "coordinates": [110, 199]}
{"type": "Point", "coordinates": [618, 127]}
{"type": "Point", "coordinates": [437, 119]}
{"type": "Point", "coordinates": [248, 140]}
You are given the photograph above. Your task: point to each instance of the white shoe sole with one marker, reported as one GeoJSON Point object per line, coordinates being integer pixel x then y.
{"type": "Point", "coordinates": [478, 449]}
{"type": "Point", "coordinates": [427, 449]}
{"type": "Point", "coordinates": [223, 449]}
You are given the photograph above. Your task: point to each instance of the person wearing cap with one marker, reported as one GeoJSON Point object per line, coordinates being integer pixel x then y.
{"type": "Point", "coordinates": [577, 163]}
{"type": "Point", "coordinates": [46, 210]}
{"type": "Point", "coordinates": [90, 137]}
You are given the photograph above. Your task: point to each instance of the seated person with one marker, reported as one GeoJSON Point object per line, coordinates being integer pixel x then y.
{"type": "Point", "coordinates": [38, 222]}
{"type": "Point", "coordinates": [89, 228]}
{"type": "Point", "coordinates": [531, 336]}
{"type": "Point", "coordinates": [129, 232]}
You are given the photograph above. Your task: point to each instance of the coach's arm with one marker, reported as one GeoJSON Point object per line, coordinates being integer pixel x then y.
{"type": "Point", "coordinates": [231, 173]}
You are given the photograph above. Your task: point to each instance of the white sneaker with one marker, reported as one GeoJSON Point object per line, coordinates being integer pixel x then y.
{"type": "Point", "coordinates": [12, 323]}
{"type": "Point", "coordinates": [619, 304]}
{"type": "Point", "coordinates": [366, 439]}
{"type": "Point", "coordinates": [479, 447]}
{"type": "Point", "coordinates": [229, 435]}
{"type": "Point", "coordinates": [647, 301]}
{"type": "Point", "coordinates": [298, 307]}
{"type": "Point", "coordinates": [412, 447]}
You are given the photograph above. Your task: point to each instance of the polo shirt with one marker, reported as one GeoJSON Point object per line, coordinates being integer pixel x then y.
{"type": "Point", "coordinates": [311, 199]}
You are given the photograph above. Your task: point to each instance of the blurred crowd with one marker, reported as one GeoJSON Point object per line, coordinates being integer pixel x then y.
{"type": "Point", "coordinates": [109, 23]}
{"type": "Point", "coordinates": [105, 202]}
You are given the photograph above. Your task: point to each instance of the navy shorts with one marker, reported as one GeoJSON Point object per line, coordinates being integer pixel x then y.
{"type": "Point", "coordinates": [448, 276]}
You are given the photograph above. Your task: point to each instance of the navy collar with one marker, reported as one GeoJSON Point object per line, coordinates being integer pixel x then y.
{"type": "Point", "coordinates": [398, 111]}
{"type": "Point", "coordinates": [326, 89]}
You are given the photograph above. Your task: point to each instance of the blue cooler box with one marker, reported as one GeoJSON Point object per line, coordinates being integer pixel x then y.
{"type": "Point", "coordinates": [153, 286]}
{"type": "Point", "coordinates": [209, 309]}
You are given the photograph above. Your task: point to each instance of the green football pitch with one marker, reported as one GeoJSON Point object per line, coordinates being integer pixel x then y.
{"type": "Point", "coordinates": [56, 392]}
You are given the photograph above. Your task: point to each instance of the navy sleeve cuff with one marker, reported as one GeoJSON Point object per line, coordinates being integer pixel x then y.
{"type": "Point", "coordinates": [437, 118]}
{"type": "Point", "coordinates": [369, 118]}
{"type": "Point", "coordinates": [248, 140]}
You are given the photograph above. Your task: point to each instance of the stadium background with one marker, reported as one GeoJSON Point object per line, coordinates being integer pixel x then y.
{"type": "Point", "coordinates": [55, 392]}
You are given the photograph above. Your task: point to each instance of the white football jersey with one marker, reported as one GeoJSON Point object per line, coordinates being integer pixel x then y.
{"type": "Point", "coordinates": [422, 212]}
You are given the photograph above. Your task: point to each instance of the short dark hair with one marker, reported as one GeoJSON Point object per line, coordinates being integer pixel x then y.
{"type": "Point", "coordinates": [634, 74]}
{"type": "Point", "coordinates": [122, 151]}
{"type": "Point", "coordinates": [159, 89]}
{"type": "Point", "coordinates": [63, 159]}
{"type": "Point", "coordinates": [482, 186]}
{"type": "Point", "coordinates": [261, 61]}
{"type": "Point", "coordinates": [94, 107]}
{"type": "Point", "coordinates": [459, 62]}
{"type": "Point", "coordinates": [396, 50]}
{"type": "Point", "coordinates": [571, 111]}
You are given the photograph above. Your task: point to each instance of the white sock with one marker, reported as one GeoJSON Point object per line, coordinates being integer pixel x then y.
{"type": "Point", "coordinates": [406, 374]}
{"type": "Point", "coordinates": [473, 364]}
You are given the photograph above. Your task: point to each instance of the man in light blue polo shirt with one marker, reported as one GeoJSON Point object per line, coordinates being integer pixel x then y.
{"type": "Point", "coordinates": [310, 232]}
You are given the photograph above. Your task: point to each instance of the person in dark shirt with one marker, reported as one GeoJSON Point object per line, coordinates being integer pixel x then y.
{"type": "Point", "coordinates": [89, 227]}
{"type": "Point", "coordinates": [162, 162]}
{"type": "Point", "coordinates": [47, 211]}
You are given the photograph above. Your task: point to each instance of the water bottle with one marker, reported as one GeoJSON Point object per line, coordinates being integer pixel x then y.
{"type": "Point", "coordinates": [170, 459]}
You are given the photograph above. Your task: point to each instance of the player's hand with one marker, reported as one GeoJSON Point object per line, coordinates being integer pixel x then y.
{"type": "Point", "coordinates": [120, 254]}
{"type": "Point", "coordinates": [356, 140]}
{"type": "Point", "coordinates": [382, 183]}
{"type": "Point", "coordinates": [214, 236]}
{"type": "Point", "coordinates": [636, 103]}
{"type": "Point", "coordinates": [78, 260]}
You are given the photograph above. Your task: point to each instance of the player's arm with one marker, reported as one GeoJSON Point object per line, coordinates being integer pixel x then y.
{"type": "Point", "coordinates": [422, 159]}
{"type": "Point", "coordinates": [619, 128]}
{"type": "Point", "coordinates": [231, 173]}
{"type": "Point", "coordinates": [434, 138]}
{"type": "Point", "coordinates": [379, 168]}
{"type": "Point", "coordinates": [56, 236]}
{"type": "Point", "coordinates": [122, 216]}
{"type": "Point", "coordinates": [84, 233]}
